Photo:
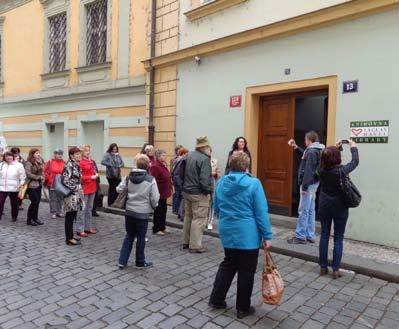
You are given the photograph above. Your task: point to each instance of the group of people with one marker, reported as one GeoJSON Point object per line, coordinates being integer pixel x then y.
{"type": "Point", "coordinates": [199, 191]}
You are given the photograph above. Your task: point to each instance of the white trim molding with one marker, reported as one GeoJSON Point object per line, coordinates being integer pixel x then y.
{"type": "Point", "coordinates": [7, 5]}
{"type": "Point", "coordinates": [2, 19]}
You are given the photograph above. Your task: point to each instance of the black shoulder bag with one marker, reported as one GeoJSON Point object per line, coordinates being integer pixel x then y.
{"type": "Point", "coordinates": [351, 196]}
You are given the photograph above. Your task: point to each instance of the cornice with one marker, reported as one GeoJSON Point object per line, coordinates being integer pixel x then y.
{"type": "Point", "coordinates": [324, 17]}
{"type": "Point", "coordinates": [7, 5]}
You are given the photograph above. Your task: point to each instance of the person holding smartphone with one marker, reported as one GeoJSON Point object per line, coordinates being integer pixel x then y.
{"type": "Point", "coordinates": [331, 206]}
{"type": "Point", "coordinates": [308, 182]}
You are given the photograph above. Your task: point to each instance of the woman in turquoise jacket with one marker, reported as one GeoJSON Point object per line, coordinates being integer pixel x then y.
{"type": "Point", "coordinates": [241, 207]}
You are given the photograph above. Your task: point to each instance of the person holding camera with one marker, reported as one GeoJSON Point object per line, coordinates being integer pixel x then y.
{"type": "Point", "coordinates": [331, 206]}
{"type": "Point", "coordinates": [308, 181]}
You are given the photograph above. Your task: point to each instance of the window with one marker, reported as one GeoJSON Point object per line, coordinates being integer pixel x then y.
{"type": "Point", "coordinates": [202, 2]}
{"type": "Point", "coordinates": [96, 37]}
{"type": "Point", "coordinates": [57, 42]}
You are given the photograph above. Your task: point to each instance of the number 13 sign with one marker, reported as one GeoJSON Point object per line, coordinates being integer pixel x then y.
{"type": "Point", "coordinates": [350, 86]}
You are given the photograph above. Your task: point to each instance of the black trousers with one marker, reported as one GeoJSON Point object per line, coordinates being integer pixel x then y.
{"type": "Point", "coordinates": [35, 195]}
{"type": "Point", "coordinates": [243, 262]}
{"type": "Point", "coordinates": [70, 217]}
{"type": "Point", "coordinates": [160, 216]}
{"type": "Point", "coordinates": [112, 194]}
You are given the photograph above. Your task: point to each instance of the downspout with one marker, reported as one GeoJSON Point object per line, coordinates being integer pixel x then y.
{"type": "Point", "coordinates": [151, 127]}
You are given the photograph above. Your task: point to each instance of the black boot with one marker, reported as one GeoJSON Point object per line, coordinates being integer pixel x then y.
{"type": "Point", "coordinates": [38, 222]}
{"type": "Point", "coordinates": [31, 222]}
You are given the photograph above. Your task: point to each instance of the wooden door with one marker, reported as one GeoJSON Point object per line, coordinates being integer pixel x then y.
{"type": "Point", "coordinates": [275, 166]}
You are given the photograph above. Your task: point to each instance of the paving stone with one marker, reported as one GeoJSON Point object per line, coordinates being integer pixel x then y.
{"type": "Point", "coordinates": [172, 322]}
{"type": "Point", "coordinates": [151, 321]}
{"type": "Point", "coordinates": [198, 321]}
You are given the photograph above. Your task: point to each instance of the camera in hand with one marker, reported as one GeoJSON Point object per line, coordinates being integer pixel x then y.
{"type": "Point", "coordinates": [345, 141]}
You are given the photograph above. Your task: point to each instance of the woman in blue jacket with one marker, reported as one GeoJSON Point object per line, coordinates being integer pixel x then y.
{"type": "Point", "coordinates": [241, 207]}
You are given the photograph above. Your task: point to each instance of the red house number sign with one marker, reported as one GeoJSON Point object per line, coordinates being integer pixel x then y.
{"type": "Point", "coordinates": [235, 101]}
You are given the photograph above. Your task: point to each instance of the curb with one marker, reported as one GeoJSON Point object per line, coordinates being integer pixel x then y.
{"type": "Point", "coordinates": [365, 266]}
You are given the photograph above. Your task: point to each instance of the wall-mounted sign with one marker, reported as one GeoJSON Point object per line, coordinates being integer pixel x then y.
{"type": "Point", "coordinates": [370, 131]}
{"type": "Point", "coordinates": [350, 86]}
{"type": "Point", "coordinates": [235, 101]}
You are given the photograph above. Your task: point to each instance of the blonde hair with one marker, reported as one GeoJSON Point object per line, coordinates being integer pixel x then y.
{"type": "Point", "coordinates": [239, 161]}
{"type": "Point", "coordinates": [142, 161]}
{"type": "Point", "coordinates": [84, 147]}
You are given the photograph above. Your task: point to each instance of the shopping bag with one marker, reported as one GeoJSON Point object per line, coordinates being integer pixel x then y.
{"type": "Point", "coordinates": [272, 282]}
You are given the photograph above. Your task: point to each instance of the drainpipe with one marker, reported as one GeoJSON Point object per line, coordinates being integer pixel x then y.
{"type": "Point", "coordinates": [151, 127]}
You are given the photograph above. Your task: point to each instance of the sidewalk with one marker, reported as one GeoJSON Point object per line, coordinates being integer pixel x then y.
{"type": "Point", "coordinates": [363, 258]}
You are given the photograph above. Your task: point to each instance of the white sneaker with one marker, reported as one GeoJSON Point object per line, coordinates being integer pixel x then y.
{"type": "Point", "coordinates": [53, 216]}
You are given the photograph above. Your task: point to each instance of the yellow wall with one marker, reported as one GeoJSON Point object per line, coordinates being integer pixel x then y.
{"type": "Point", "coordinates": [139, 42]}
{"type": "Point", "coordinates": [23, 49]}
{"type": "Point", "coordinates": [74, 40]}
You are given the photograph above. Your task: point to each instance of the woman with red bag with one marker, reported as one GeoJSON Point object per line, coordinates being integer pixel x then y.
{"type": "Point", "coordinates": [51, 169]}
{"type": "Point", "coordinates": [89, 183]}
{"type": "Point", "coordinates": [241, 207]}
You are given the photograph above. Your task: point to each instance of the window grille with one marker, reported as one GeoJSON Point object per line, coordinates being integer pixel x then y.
{"type": "Point", "coordinates": [58, 42]}
{"type": "Point", "coordinates": [1, 64]}
{"type": "Point", "coordinates": [96, 51]}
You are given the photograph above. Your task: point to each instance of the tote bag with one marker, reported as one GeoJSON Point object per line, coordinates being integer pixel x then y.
{"type": "Point", "coordinates": [61, 188]}
{"type": "Point", "coordinates": [272, 282]}
{"type": "Point", "coordinates": [351, 196]}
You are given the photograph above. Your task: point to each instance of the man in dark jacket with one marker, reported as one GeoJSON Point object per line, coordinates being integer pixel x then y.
{"type": "Point", "coordinates": [309, 183]}
{"type": "Point", "coordinates": [197, 187]}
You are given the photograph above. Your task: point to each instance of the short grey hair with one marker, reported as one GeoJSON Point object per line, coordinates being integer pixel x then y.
{"type": "Point", "coordinates": [239, 161]}
{"type": "Point", "coordinates": [158, 153]}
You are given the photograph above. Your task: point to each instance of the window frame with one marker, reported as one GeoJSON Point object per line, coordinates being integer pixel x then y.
{"type": "Point", "coordinates": [57, 42]}
{"type": "Point", "coordinates": [83, 34]}
{"type": "Point", "coordinates": [51, 9]}
{"type": "Point", "coordinates": [210, 7]}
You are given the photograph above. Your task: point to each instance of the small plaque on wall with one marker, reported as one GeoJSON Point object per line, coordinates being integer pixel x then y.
{"type": "Point", "coordinates": [370, 131]}
{"type": "Point", "coordinates": [350, 86]}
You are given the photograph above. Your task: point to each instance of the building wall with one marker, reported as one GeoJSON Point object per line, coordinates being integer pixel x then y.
{"type": "Point", "coordinates": [245, 16]}
{"type": "Point", "coordinates": [165, 79]}
{"type": "Point", "coordinates": [345, 50]}
{"type": "Point", "coordinates": [116, 97]}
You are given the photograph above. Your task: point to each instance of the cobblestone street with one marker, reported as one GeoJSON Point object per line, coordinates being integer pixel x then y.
{"type": "Point", "coordinates": [46, 284]}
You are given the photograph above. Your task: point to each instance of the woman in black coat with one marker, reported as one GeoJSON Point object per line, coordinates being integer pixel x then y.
{"type": "Point", "coordinates": [240, 144]}
{"type": "Point", "coordinates": [331, 206]}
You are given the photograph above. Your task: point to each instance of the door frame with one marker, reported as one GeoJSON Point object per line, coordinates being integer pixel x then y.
{"type": "Point", "coordinates": [253, 107]}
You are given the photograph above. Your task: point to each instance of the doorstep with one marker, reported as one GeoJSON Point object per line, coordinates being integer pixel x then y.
{"type": "Point", "coordinates": [362, 264]}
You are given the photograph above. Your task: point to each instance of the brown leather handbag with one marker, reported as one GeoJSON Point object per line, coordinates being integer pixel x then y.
{"type": "Point", "coordinates": [272, 282]}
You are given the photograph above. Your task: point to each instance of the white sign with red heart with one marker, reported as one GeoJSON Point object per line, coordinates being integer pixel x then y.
{"type": "Point", "coordinates": [376, 131]}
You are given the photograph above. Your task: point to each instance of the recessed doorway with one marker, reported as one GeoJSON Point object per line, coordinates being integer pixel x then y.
{"type": "Point", "coordinates": [282, 117]}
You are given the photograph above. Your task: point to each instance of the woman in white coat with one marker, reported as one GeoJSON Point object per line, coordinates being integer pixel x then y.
{"type": "Point", "coordinates": [12, 177]}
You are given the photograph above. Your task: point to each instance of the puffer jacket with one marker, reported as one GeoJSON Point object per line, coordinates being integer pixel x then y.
{"type": "Point", "coordinates": [34, 174]}
{"type": "Point", "coordinates": [143, 194]}
{"type": "Point", "coordinates": [12, 176]}
{"type": "Point", "coordinates": [241, 207]}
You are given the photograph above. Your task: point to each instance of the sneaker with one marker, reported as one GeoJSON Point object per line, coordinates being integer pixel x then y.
{"type": "Point", "coordinates": [53, 216]}
{"type": "Point", "coordinates": [311, 240]}
{"type": "Point", "coordinates": [160, 233]}
{"type": "Point", "coordinates": [218, 306]}
{"type": "Point", "coordinates": [60, 215]}
{"type": "Point", "coordinates": [145, 265]}
{"type": "Point", "coordinates": [166, 231]}
{"type": "Point", "coordinates": [295, 240]}
{"type": "Point", "coordinates": [121, 266]}
{"type": "Point", "coordinates": [248, 312]}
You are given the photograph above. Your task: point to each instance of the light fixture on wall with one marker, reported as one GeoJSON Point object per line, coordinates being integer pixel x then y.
{"type": "Point", "coordinates": [197, 59]}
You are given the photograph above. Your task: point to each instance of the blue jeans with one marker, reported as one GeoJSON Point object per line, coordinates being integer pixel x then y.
{"type": "Point", "coordinates": [340, 219]}
{"type": "Point", "coordinates": [177, 199]}
{"type": "Point", "coordinates": [305, 228]}
{"type": "Point", "coordinates": [135, 228]}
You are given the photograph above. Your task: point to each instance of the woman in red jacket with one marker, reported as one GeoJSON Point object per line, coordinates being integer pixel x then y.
{"type": "Point", "coordinates": [161, 174]}
{"type": "Point", "coordinates": [51, 169]}
{"type": "Point", "coordinates": [89, 182]}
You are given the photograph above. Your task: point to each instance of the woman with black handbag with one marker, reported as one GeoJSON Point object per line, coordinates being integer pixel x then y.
{"type": "Point", "coordinates": [334, 202]}
{"type": "Point", "coordinates": [72, 179]}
